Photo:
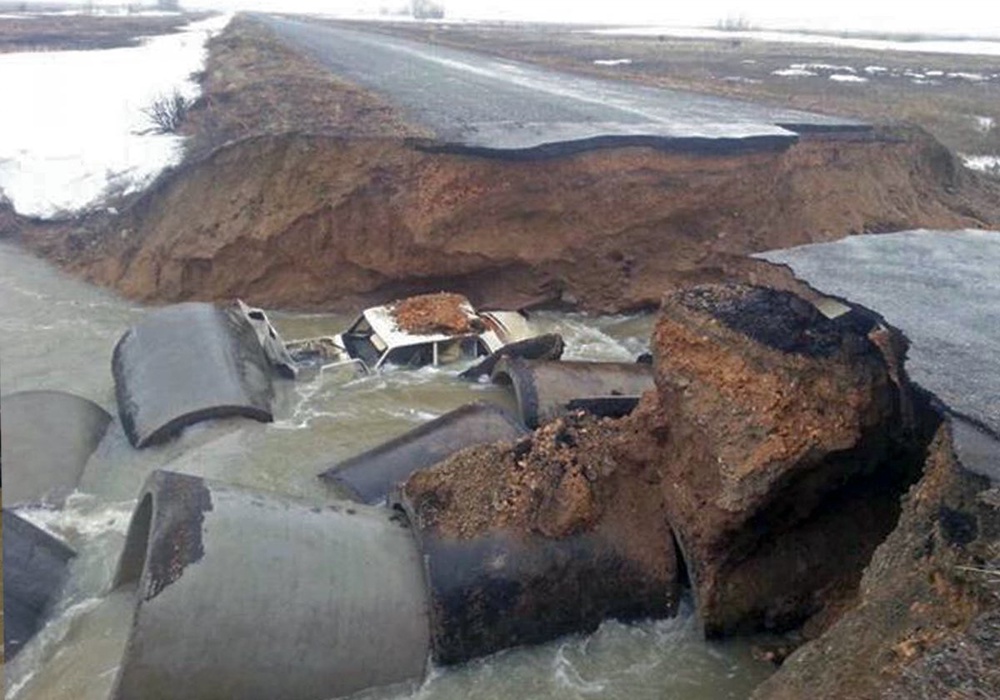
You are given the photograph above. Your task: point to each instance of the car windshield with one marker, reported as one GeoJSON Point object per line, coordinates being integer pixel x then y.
{"type": "Point", "coordinates": [361, 342]}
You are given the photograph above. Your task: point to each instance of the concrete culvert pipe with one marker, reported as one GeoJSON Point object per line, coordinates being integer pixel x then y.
{"type": "Point", "coordinates": [34, 570]}
{"type": "Point", "coordinates": [506, 588]}
{"type": "Point", "coordinates": [545, 389]}
{"type": "Point", "coordinates": [187, 363]}
{"type": "Point", "coordinates": [252, 595]}
{"type": "Point", "coordinates": [48, 436]}
{"type": "Point", "coordinates": [371, 475]}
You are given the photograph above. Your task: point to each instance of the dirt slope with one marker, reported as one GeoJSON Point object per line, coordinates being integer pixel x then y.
{"type": "Point", "coordinates": [298, 220]}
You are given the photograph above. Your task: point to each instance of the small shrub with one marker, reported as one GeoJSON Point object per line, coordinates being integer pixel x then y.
{"type": "Point", "coordinates": [166, 114]}
{"type": "Point", "coordinates": [734, 24]}
{"type": "Point", "coordinates": [426, 9]}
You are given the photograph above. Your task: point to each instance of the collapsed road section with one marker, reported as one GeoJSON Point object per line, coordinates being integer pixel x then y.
{"type": "Point", "coordinates": [343, 191]}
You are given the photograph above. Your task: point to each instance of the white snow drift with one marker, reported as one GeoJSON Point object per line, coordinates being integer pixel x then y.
{"type": "Point", "coordinates": [72, 124]}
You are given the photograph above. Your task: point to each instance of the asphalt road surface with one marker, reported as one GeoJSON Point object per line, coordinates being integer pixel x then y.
{"type": "Point", "coordinates": [942, 289]}
{"type": "Point", "coordinates": [491, 106]}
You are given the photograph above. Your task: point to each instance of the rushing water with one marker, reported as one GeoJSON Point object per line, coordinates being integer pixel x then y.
{"type": "Point", "coordinates": [58, 333]}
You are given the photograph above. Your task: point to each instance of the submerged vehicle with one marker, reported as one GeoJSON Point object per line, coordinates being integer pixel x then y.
{"type": "Point", "coordinates": [432, 329]}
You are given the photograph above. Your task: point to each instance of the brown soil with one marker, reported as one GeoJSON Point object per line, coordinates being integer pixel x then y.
{"type": "Point", "coordinates": [927, 623]}
{"type": "Point", "coordinates": [782, 441]}
{"type": "Point", "coordinates": [434, 313]}
{"type": "Point", "coordinates": [542, 484]}
{"type": "Point", "coordinates": [571, 476]}
{"type": "Point", "coordinates": [307, 221]}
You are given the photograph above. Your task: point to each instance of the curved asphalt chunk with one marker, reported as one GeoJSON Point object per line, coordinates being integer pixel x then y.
{"type": "Point", "coordinates": [479, 104]}
{"type": "Point", "coordinates": [942, 289]}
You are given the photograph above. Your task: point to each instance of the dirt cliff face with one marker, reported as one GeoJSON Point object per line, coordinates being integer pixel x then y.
{"type": "Point", "coordinates": [785, 441]}
{"type": "Point", "coordinates": [927, 623]}
{"type": "Point", "coordinates": [326, 222]}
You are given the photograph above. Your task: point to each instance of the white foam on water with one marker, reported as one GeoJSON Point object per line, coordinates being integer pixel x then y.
{"type": "Point", "coordinates": [82, 517]}
{"type": "Point", "coordinates": [23, 668]}
{"type": "Point", "coordinates": [567, 675]}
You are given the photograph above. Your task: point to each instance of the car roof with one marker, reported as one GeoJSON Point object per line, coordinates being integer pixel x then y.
{"type": "Point", "coordinates": [383, 323]}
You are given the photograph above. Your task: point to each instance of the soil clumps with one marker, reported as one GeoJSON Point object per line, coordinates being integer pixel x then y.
{"type": "Point", "coordinates": [531, 540]}
{"type": "Point", "coordinates": [427, 314]}
{"type": "Point", "coordinates": [554, 482]}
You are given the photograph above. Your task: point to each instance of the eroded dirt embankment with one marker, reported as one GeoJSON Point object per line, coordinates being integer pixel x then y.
{"type": "Point", "coordinates": [299, 220]}
{"type": "Point", "coordinates": [304, 191]}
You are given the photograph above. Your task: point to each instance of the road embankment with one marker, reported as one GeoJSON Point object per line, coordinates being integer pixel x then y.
{"type": "Point", "coordinates": [304, 191]}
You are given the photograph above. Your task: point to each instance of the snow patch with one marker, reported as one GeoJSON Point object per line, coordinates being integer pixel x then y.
{"type": "Point", "coordinates": [612, 61]}
{"type": "Point", "coordinates": [970, 47]}
{"type": "Point", "coordinates": [848, 78]}
{"type": "Point", "coordinates": [973, 77]}
{"type": "Point", "coordinates": [823, 67]}
{"type": "Point", "coordinates": [72, 125]}
{"type": "Point", "coordinates": [793, 73]}
{"type": "Point", "coordinates": [876, 70]}
{"type": "Point", "coordinates": [985, 124]}
{"type": "Point", "coordinates": [984, 164]}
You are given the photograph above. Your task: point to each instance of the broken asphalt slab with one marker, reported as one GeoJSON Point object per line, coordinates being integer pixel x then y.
{"type": "Point", "coordinates": [942, 289]}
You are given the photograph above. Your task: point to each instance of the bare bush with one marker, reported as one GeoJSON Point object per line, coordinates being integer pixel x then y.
{"type": "Point", "coordinates": [166, 114]}
{"type": "Point", "coordinates": [426, 9]}
{"type": "Point", "coordinates": [734, 24]}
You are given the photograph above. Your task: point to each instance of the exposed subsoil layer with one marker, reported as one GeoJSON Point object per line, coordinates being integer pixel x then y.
{"type": "Point", "coordinates": [298, 220]}
{"type": "Point", "coordinates": [353, 212]}
{"type": "Point", "coordinates": [551, 482]}
{"type": "Point", "coordinates": [926, 623]}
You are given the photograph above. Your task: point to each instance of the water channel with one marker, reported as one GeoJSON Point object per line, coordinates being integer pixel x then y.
{"type": "Point", "coordinates": [58, 333]}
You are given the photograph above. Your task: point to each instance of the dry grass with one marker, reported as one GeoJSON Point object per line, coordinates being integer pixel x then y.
{"type": "Point", "coordinates": [253, 84]}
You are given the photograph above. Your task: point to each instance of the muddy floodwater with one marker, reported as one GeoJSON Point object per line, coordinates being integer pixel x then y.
{"type": "Point", "coordinates": [58, 333]}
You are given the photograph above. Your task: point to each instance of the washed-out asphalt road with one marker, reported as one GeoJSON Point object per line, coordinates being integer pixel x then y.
{"type": "Point", "coordinates": [942, 289]}
{"type": "Point", "coordinates": [475, 103]}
